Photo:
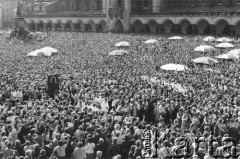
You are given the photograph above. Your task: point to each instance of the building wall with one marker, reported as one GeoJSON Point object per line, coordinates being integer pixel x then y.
{"type": "Point", "coordinates": [7, 12]}
{"type": "Point", "coordinates": [142, 6]}
{"type": "Point", "coordinates": [141, 16]}
{"type": "Point", "coordinates": [0, 16]}
{"type": "Point", "coordinates": [74, 5]}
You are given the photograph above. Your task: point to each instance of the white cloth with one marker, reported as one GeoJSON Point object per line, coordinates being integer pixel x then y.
{"type": "Point", "coordinates": [90, 147]}
{"type": "Point", "coordinates": [61, 150]}
{"type": "Point", "coordinates": [79, 153]}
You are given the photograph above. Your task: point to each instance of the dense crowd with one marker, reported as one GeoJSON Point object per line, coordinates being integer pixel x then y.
{"type": "Point", "coordinates": [107, 104]}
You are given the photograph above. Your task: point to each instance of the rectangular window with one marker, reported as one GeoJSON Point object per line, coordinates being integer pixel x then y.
{"type": "Point", "coordinates": [187, 2]}
{"type": "Point", "coordinates": [119, 3]}
{"type": "Point", "coordinates": [146, 4]}
{"type": "Point", "coordinates": [203, 2]}
{"type": "Point", "coordinates": [220, 1]}
{"type": "Point", "coordinates": [92, 5]}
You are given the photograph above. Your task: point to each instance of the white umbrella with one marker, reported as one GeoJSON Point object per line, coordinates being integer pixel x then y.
{"type": "Point", "coordinates": [205, 60]}
{"type": "Point", "coordinates": [224, 40]}
{"type": "Point", "coordinates": [227, 56]}
{"type": "Point", "coordinates": [118, 53]}
{"type": "Point", "coordinates": [46, 51]}
{"type": "Point", "coordinates": [205, 48]}
{"type": "Point", "coordinates": [234, 52]}
{"type": "Point", "coordinates": [174, 67]}
{"type": "Point", "coordinates": [122, 44]}
{"type": "Point", "coordinates": [151, 41]}
{"type": "Point", "coordinates": [49, 51]}
{"type": "Point", "coordinates": [175, 38]}
{"type": "Point", "coordinates": [224, 45]}
{"type": "Point", "coordinates": [35, 53]}
{"type": "Point", "coordinates": [209, 38]}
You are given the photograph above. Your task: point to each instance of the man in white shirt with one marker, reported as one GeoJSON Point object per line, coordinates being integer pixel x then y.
{"type": "Point", "coordinates": [60, 149]}
{"type": "Point", "coordinates": [79, 152]}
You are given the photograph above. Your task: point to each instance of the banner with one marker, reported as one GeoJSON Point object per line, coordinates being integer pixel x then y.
{"type": "Point", "coordinates": [53, 85]}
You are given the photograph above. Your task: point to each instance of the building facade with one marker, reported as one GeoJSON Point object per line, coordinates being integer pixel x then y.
{"type": "Point", "coordinates": [155, 16]}
{"type": "Point", "coordinates": [7, 13]}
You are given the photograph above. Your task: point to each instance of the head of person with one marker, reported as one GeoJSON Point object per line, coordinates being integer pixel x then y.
{"type": "Point", "coordinates": [80, 145]}
{"type": "Point", "coordinates": [99, 154]}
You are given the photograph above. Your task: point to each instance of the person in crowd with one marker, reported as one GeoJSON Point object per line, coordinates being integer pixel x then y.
{"type": "Point", "coordinates": [106, 103]}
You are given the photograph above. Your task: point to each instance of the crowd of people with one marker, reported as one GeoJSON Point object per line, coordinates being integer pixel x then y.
{"type": "Point", "coordinates": [107, 104]}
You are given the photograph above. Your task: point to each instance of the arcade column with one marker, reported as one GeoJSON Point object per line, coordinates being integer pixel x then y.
{"type": "Point", "coordinates": [54, 26]}
{"type": "Point", "coordinates": [212, 28]}
{"type": "Point", "coordinates": [73, 27]}
{"type": "Point", "coordinates": [63, 27]}
{"type": "Point", "coordinates": [232, 29]}
{"type": "Point", "coordinates": [45, 27]}
{"type": "Point", "coordinates": [194, 28]}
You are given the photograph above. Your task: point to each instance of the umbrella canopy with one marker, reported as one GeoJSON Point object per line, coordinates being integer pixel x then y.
{"type": "Point", "coordinates": [122, 44]}
{"type": "Point", "coordinates": [46, 51]}
{"type": "Point", "coordinates": [151, 41]}
{"type": "Point", "coordinates": [118, 53]}
{"type": "Point", "coordinates": [205, 48]}
{"type": "Point", "coordinates": [175, 38]}
{"type": "Point", "coordinates": [234, 52]}
{"type": "Point", "coordinates": [209, 38]}
{"type": "Point", "coordinates": [224, 40]}
{"type": "Point", "coordinates": [205, 60]}
{"type": "Point", "coordinates": [227, 56]}
{"type": "Point", "coordinates": [49, 51]}
{"type": "Point", "coordinates": [36, 53]}
{"type": "Point", "coordinates": [224, 45]}
{"type": "Point", "coordinates": [174, 67]}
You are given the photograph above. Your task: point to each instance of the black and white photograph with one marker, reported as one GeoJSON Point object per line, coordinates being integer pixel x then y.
{"type": "Point", "coordinates": [119, 79]}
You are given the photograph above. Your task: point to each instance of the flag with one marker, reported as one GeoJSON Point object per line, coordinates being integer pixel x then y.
{"type": "Point", "coordinates": [53, 85]}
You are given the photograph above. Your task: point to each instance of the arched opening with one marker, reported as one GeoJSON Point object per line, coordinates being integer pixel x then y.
{"type": "Point", "coordinates": [118, 27]}
{"type": "Point", "coordinates": [138, 27]}
{"type": "Point", "coordinates": [101, 27]}
{"type": "Point", "coordinates": [49, 26]}
{"type": "Point", "coordinates": [40, 26]}
{"type": "Point", "coordinates": [222, 27]}
{"type": "Point", "coordinates": [226, 30]}
{"type": "Point", "coordinates": [67, 27]}
{"type": "Point", "coordinates": [58, 26]}
{"type": "Point", "coordinates": [203, 27]}
{"type": "Point", "coordinates": [160, 28]}
{"type": "Point", "coordinates": [237, 29]}
{"type": "Point", "coordinates": [32, 26]}
{"type": "Point", "coordinates": [190, 29]}
{"type": "Point", "coordinates": [88, 28]}
{"type": "Point", "coordinates": [153, 25]}
{"type": "Point", "coordinates": [184, 26]}
{"type": "Point", "coordinates": [168, 26]}
{"type": "Point", "coordinates": [77, 27]}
